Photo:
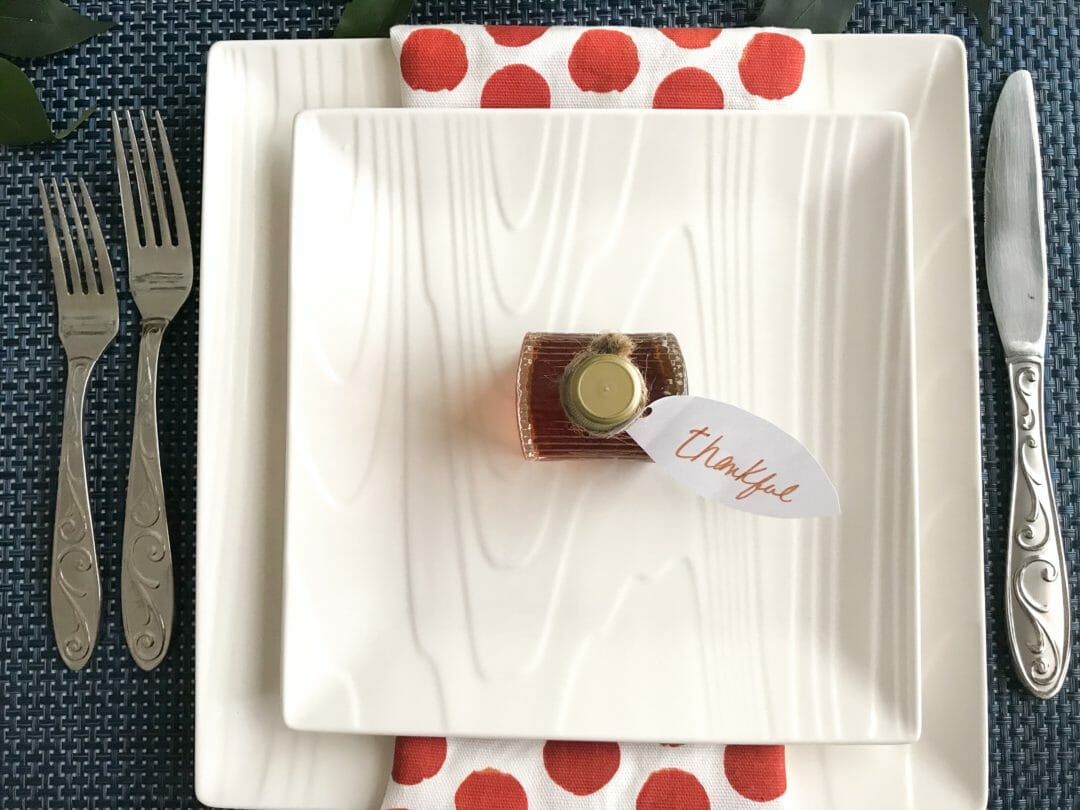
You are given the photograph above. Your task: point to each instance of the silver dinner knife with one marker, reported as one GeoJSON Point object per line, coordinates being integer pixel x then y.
{"type": "Point", "coordinates": [1037, 592]}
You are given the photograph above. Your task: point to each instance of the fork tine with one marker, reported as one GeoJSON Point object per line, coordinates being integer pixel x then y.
{"type": "Point", "coordinates": [108, 284]}
{"type": "Point", "coordinates": [127, 204]}
{"type": "Point", "coordinates": [149, 233]}
{"type": "Point", "coordinates": [78, 284]}
{"type": "Point", "coordinates": [155, 180]}
{"type": "Point", "coordinates": [183, 238]}
{"type": "Point", "coordinates": [55, 259]}
{"type": "Point", "coordinates": [80, 239]}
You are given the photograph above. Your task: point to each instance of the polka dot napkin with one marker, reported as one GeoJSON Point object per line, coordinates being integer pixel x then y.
{"type": "Point", "coordinates": [522, 66]}
{"type": "Point", "coordinates": [432, 773]}
{"type": "Point", "coordinates": [565, 66]}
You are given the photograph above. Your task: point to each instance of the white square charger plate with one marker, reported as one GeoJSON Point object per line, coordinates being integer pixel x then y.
{"type": "Point", "coordinates": [436, 583]}
{"type": "Point", "coordinates": [245, 755]}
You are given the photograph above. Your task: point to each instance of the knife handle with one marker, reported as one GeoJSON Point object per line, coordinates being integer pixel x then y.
{"type": "Point", "coordinates": [1037, 595]}
{"type": "Point", "coordinates": [146, 580]}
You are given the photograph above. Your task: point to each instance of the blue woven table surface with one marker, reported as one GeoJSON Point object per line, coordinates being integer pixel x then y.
{"type": "Point", "coordinates": [114, 736]}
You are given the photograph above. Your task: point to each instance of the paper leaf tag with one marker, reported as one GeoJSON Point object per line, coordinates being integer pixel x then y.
{"type": "Point", "coordinates": [729, 455]}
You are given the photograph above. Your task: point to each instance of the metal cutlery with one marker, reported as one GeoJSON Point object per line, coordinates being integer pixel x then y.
{"type": "Point", "coordinates": [160, 274]}
{"type": "Point", "coordinates": [88, 321]}
{"type": "Point", "coordinates": [1037, 593]}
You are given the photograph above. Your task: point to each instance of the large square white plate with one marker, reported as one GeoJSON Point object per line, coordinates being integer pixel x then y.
{"type": "Point", "coordinates": [245, 754]}
{"type": "Point", "coordinates": [436, 583]}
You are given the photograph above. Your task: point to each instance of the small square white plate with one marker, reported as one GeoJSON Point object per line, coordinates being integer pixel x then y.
{"type": "Point", "coordinates": [438, 583]}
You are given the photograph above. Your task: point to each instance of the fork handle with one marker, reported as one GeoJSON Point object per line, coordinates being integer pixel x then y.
{"type": "Point", "coordinates": [146, 582]}
{"type": "Point", "coordinates": [1037, 597]}
{"type": "Point", "coordinates": [75, 587]}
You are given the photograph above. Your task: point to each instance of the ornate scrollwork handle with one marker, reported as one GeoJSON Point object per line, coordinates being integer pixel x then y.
{"type": "Point", "coordinates": [146, 582]}
{"type": "Point", "coordinates": [1037, 597]}
{"type": "Point", "coordinates": [75, 590]}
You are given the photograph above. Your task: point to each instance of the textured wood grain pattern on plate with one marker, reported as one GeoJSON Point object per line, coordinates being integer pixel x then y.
{"type": "Point", "coordinates": [596, 600]}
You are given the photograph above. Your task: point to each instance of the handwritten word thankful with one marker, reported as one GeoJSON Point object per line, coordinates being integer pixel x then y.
{"type": "Point", "coordinates": [756, 477]}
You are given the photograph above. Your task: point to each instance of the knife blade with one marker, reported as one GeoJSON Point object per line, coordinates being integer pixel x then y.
{"type": "Point", "coordinates": [1015, 229]}
{"type": "Point", "coordinates": [1037, 593]}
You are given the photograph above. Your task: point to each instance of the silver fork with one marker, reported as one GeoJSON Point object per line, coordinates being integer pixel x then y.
{"type": "Point", "coordinates": [86, 301]}
{"type": "Point", "coordinates": [160, 272]}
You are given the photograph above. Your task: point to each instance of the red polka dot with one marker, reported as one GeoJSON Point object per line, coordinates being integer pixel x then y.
{"type": "Point", "coordinates": [433, 59]}
{"type": "Point", "coordinates": [602, 61]}
{"type": "Point", "coordinates": [756, 771]}
{"type": "Point", "coordinates": [581, 767]}
{"type": "Point", "coordinates": [514, 36]}
{"type": "Point", "coordinates": [417, 759]}
{"type": "Point", "coordinates": [772, 65]}
{"type": "Point", "coordinates": [490, 790]}
{"type": "Point", "coordinates": [671, 789]}
{"type": "Point", "coordinates": [515, 86]}
{"type": "Point", "coordinates": [691, 38]}
{"type": "Point", "coordinates": [688, 88]}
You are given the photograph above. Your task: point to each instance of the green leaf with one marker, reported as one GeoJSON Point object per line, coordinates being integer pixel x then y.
{"type": "Point", "coordinates": [371, 18]}
{"type": "Point", "coordinates": [981, 10]}
{"type": "Point", "coordinates": [22, 118]}
{"type": "Point", "coordinates": [30, 28]}
{"type": "Point", "coordinates": [820, 16]}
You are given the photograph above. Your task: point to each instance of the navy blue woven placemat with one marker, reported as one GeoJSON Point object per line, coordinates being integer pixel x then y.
{"type": "Point", "coordinates": [117, 737]}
